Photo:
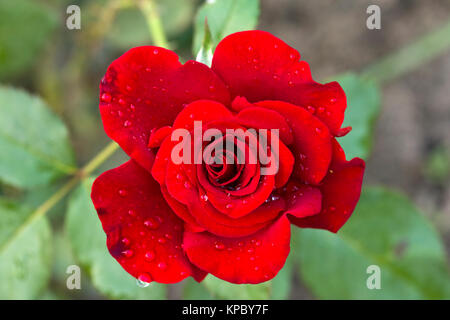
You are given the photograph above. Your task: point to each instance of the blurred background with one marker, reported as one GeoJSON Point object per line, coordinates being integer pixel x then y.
{"type": "Point", "coordinates": [409, 131]}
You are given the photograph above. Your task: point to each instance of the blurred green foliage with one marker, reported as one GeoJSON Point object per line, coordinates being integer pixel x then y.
{"type": "Point", "coordinates": [386, 230]}
{"type": "Point", "coordinates": [25, 27]}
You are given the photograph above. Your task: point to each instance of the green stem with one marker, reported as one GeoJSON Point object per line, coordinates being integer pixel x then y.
{"type": "Point", "coordinates": [101, 157]}
{"type": "Point", "coordinates": [63, 191]}
{"type": "Point", "coordinates": [410, 57]}
{"type": "Point", "coordinates": [155, 27]}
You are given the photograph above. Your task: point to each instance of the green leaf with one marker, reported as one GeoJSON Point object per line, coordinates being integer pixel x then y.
{"type": "Point", "coordinates": [25, 252]}
{"type": "Point", "coordinates": [388, 231]}
{"type": "Point", "coordinates": [34, 142]}
{"type": "Point", "coordinates": [225, 290]}
{"type": "Point", "coordinates": [89, 246]}
{"type": "Point", "coordinates": [25, 27]}
{"type": "Point", "coordinates": [363, 106]}
{"type": "Point", "coordinates": [224, 17]}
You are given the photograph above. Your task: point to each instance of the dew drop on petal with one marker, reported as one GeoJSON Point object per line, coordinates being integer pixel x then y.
{"type": "Point", "coordinates": [219, 246]}
{"type": "Point", "coordinates": [128, 253]}
{"type": "Point", "coordinates": [143, 280]}
{"type": "Point", "coordinates": [106, 97]}
{"type": "Point", "coordinates": [151, 224]}
{"type": "Point", "coordinates": [149, 255]}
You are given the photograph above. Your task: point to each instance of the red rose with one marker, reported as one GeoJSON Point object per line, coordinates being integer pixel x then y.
{"type": "Point", "coordinates": [167, 220]}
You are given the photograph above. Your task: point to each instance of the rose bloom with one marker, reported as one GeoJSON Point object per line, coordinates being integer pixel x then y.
{"type": "Point", "coordinates": [166, 220]}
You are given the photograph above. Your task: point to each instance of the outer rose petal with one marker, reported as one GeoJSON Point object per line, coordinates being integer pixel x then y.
{"type": "Point", "coordinates": [143, 234]}
{"type": "Point", "coordinates": [146, 88]}
{"type": "Point", "coordinates": [259, 66]}
{"type": "Point", "coordinates": [252, 259]}
{"type": "Point", "coordinates": [340, 189]}
{"type": "Point", "coordinates": [303, 201]}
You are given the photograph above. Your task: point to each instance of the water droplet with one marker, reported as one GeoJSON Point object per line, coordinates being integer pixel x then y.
{"type": "Point", "coordinates": [187, 185]}
{"type": "Point", "coordinates": [258, 243]}
{"type": "Point", "coordinates": [219, 246]}
{"type": "Point", "coordinates": [144, 280]}
{"type": "Point", "coordinates": [240, 244]}
{"type": "Point", "coordinates": [156, 51]}
{"type": "Point", "coordinates": [131, 212]}
{"type": "Point", "coordinates": [148, 69]}
{"type": "Point", "coordinates": [128, 87]}
{"type": "Point", "coordinates": [333, 100]}
{"type": "Point", "coordinates": [126, 241]}
{"type": "Point", "coordinates": [123, 193]}
{"type": "Point", "coordinates": [127, 123]}
{"type": "Point", "coordinates": [318, 130]}
{"type": "Point", "coordinates": [149, 255]}
{"type": "Point", "coordinates": [204, 197]}
{"type": "Point", "coordinates": [106, 97]}
{"type": "Point", "coordinates": [121, 101]}
{"type": "Point", "coordinates": [162, 265]}
{"type": "Point", "coordinates": [229, 206]}
{"type": "Point", "coordinates": [161, 240]}
{"type": "Point", "coordinates": [132, 107]}
{"type": "Point", "coordinates": [332, 208]}
{"type": "Point", "coordinates": [292, 56]}
{"type": "Point", "coordinates": [168, 236]}
{"type": "Point", "coordinates": [321, 109]}
{"type": "Point", "coordinates": [151, 224]}
{"type": "Point", "coordinates": [311, 109]}
{"type": "Point", "coordinates": [251, 250]}
{"type": "Point", "coordinates": [128, 253]}
{"type": "Point", "coordinates": [256, 268]}
{"type": "Point", "coordinates": [211, 88]}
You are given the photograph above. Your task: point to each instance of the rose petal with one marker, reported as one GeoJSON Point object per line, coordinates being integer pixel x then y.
{"type": "Point", "coordinates": [220, 224]}
{"type": "Point", "coordinates": [143, 234]}
{"type": "Point", "coordinates": [259, 66]}
{"type": "Point", "coordinates": [252, 259]}
{"type": "Point", "coordinates": [202, 110]}
{"type": "Point", "coordinates": [340, 190]}
{"type": "Point", "coordinates": [312, 141]}
{"type": "Point", "coordinates": [146, 88]}
{"type": "Point", "coordinates": [261, 118]}
{"type": "Point", "coordinates": [302, 201]}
